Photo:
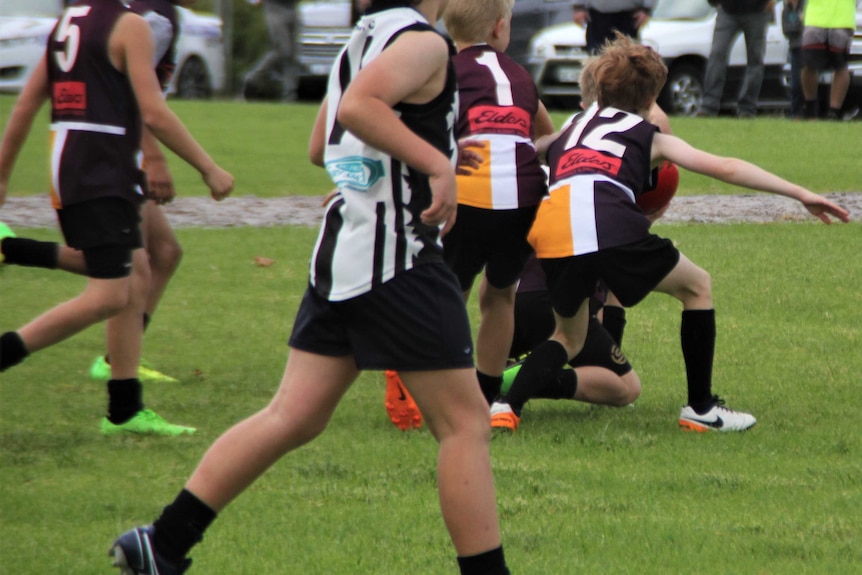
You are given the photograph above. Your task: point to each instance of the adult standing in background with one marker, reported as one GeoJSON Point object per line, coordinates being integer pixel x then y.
{"type": "Point", "coordinates": [791, 26]}
{"type": "Point", "coordinates": [603, 17]}
{"type": "Point", "coordinates": [276, 74]}
{"type": "Point", "coordinates": [826, 39]}
{"type": "Point", "coordinates": [751, 18]}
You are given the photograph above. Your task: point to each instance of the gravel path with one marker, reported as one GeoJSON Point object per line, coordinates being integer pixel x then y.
{"type": "Point", "coordinates": [36, 211]}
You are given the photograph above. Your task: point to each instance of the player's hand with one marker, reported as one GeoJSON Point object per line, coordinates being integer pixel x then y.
{"type": "Point", "coordinates": [219, 182]}
{"type": "Point", "coordinates": [444, 202]}
{"type": "Point", "coordinates": [160, 183]}
{"type": "Point", "coordinates": [468, 158]}
{"type": "Point", "coordinates": [823, 208]}
{"type": "Point", "coordinates": [3, 187]}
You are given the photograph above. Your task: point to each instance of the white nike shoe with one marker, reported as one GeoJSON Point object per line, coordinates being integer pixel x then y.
{"type": "Point", "coordinates": [719, 418]}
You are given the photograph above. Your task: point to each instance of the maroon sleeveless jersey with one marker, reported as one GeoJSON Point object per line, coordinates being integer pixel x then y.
{"type": "Point", "coordinates": [599, 166]}
{"type": "Point", "coordinates": [498, 101]}
{"type": "Point", "coordinates": [95, 120]}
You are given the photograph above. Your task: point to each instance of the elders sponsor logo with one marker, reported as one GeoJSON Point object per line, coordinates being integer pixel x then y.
{"type": "Point", "coordinates": [578, 161]}
{"type": "Point", "coordinates": [499, 120]}
{"type": "Point", "coordinates": [355, 172]}
{"type": "Point", "coordinates": [70, 96]}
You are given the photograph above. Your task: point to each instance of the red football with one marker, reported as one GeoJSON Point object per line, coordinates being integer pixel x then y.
{"type": "Point", "coordinates": [653, 200]}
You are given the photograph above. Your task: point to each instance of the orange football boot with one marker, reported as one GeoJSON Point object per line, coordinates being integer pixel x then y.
{"type": "Point", "coordinates": [504, 418]}
{"type": "Point", "coordinates": [400, 406]}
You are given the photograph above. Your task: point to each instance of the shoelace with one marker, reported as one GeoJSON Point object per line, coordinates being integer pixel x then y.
{"type": "Point", "coordinates": [719, 403]}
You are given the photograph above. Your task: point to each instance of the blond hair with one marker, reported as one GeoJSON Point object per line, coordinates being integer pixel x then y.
{"type": "Point", "coordinates": [588, 82]}
{"type": "Point", "coordinates": [628, 75]}
{"type": "Point", "coordinates": [473, 21]}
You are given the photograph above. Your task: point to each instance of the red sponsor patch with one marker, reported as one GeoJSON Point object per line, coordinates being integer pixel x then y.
{"type": "Point", "coordinates": [70, 96]}
{"type": "Point", "coordinates": [589, 161]}
{"type": "Point", "coordinates": [499, 120]}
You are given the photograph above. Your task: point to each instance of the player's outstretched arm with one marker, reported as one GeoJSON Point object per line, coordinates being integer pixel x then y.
{"type": "Point", "coordinates": [131, 51]}
{"type": "Point", "coordinates": [742, 173]}
{"type": "Point", "coordinates": [33, 95]}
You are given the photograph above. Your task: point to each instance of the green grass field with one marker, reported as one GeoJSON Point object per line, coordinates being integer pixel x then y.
{"type": "Point", "coordinates": [580, 489]}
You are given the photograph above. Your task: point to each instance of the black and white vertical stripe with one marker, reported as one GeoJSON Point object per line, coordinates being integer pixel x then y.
{"type": "Point", "coordinates": [372, 230]}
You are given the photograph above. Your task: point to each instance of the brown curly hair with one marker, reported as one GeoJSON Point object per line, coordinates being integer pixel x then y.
{"type": "Point", "coordinates": [628, 75]}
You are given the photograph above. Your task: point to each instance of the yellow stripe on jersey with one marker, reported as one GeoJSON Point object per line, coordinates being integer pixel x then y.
{"type": "Point", "coordinates": [475, 190]}
{"type": "Point", "coordinates": [565, 223]}
{"type": "Point", "coordinates": [56, 153]}
{"type": "Point", "coordinates": [494, 185]}
{"type": "Point", "coordinates": [551, 234]}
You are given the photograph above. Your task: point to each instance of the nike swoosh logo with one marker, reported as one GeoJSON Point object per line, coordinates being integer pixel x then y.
{"type": "Point", "coordinates": [718, 423]}
{"type": "Point", "coordinates": [401, 391]}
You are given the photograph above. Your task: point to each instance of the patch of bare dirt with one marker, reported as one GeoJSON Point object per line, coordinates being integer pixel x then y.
{"type": "Point", "coordinates": [36, 211]}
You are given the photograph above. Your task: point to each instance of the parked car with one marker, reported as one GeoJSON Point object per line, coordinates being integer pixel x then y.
{"type": "Point", "coordinates": [681, 32]}
{"type": "Point", "coordinates": [325, 27]}
{"type": "Point", "coordinates": [25, 26]}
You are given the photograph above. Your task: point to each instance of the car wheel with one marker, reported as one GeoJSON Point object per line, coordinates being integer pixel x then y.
{"type": "Point", "coordinates": [683, 91]}
{"type": "Point", "coordinates": [193, 81]}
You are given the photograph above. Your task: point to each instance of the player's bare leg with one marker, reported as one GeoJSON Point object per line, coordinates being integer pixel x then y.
{"type": "Point", "coordinates": [123, 331]}
{"type": "Point", "coordinates": [100, 300]}
{"type": "Point", "coordinates": [457, 415]}
{"type": "Point", "coordinates": [311, 387]}
{"type": "Point", "coordinates": [704, 411]}
{"type": "Point", "coordinates": [163, 250]}
{"type": "Point", "coordinates": [494, 337]}
{"type": "Point", "coordinates": [604, 387]}
{"type": "Point", "coordinates": [689, 284]}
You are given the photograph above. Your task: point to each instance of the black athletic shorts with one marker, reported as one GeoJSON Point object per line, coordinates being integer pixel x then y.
{"type": "Point", "coordinates": [535, 323]}
{"type": "Point", "coordinates": [492, 239]}
{"type": "Point", "coordinates": [630, 272]}
{"type": "Point", "coordinates": [601, 350]}
{"type": "Point", "coordinates": [107, 231]}
{"type": "Point", "coordinates": [416, 321]}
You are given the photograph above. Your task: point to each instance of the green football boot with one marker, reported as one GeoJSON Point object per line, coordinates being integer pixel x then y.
{"type": "Point", "coordinates": [146, 422]}
{"type": "Point", "coordinates": [5, 232]}
{"type": "Point", "coordinates": [101, 371]}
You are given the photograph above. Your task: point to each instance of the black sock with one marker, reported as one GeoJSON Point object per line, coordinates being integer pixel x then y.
{"type": "Point", "coordinates": [810, 109]}
{"type": "Point", "coordinates": [490, 385]}
{"type": "Point", "coordinates": [541, 368]}
{"type": "Point", "coordinates": [12, 350]}
{"type": "Point", "coordinates": [181, 526]}
{"type": "Point", "coordinates": [614, 320]}
{"type": "Point", "coordinates": [30, 253]}
{"type": "Point", "coordinates": [491, 562]}
{"type": "Point", "coordinates": [697, 335]}
{"type": "Point", "coordinates": [124, 400]}
{"type": "Point", "coordinates": [560, 385]}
